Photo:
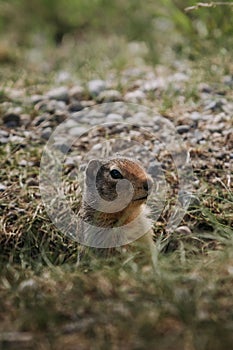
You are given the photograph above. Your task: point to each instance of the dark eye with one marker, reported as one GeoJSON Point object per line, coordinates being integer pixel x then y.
{"type": "Point", "coordinates": [115, 174]}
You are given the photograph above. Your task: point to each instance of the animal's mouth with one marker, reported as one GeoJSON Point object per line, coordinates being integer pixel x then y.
{"type": "Point", "coordinates": [141, 198]}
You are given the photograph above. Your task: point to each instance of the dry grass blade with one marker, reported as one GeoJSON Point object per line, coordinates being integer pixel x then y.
{"type": "Point", "coordinates": [208, 5]}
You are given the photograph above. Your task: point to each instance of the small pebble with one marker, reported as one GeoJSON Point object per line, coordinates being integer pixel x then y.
{"type": "Point", "coordinates": [203, 87]}
{"type": "Point", "coordinates": [70, 123]}
{"type": "Point", "coordinates": [228, 80]}
{"type": "Point", "coordinates": [11, 120]}
{"type": "Point", "coordinates": [97, 147]}
{"type": "Point", "coordinates": [95, 87]}
{"type": "Point", "coordinates": [3, 140]}
{"type": "Point", "coordinates": [16, 139]}
{"type": "Point", "coordinates": [37, 98]}
{"type": "Point", "coordinates": [62, 147]}
{"type": "Point", "coordinates": [195, 116]}
{"type": "Point", "coordinates": [32, 182]}
{"type": "Point", "coordinates": [198, 135]}
{"type": "Point", "coordinates": [25, 163]}
{"type": "Point", "coordinates": [183, 230]}
{"type": "Point", "coordinates": [135, 96]}
{"type": "Point", "coordinates": [112, 117]}
{"type": "Point", "coordinates": [63, 76]}
{"type": "Point", "coordinates": [46, 133]}
{"type": "Point", "coordinates": [179, 76]}
{"type": "Point", "coordinates": [214, 106]}
{"type": "Point", "coordinates": [109, 96]}
{"type": "Point", "coordinates": [2, 187]}
{"type": "Point", "coordinates": [221, 155]}
{"type": "Point", "coordinates": [4, 133]}
{"type": "Point", "coordinates": [151, 86]}
{"type": "Point", "coordinates": [154, 168]}
{"type": "Point", "coordinates": [77, 130]}
{"type": "Point", "coordinates": [95, 114]}
{"type": "Point", "coordinates": [59, 117]}
{"type": "Point", "coordinates": [75, 107]}
{"type": "Point", "coordinates": [69, 161]}
{"type": "Point", "coordinates": [25, 119]}
{"type": "Point", "coordinates": [218, 127]}
{"type": "Point", "coordinates": [54, 106]}
{"type": "Point", "coordinates": [140, 117]}
{"type": "Point", "coordinates": [182, 129]}
{"type": "Point", "coordinates": [51, 106]}
{"type": "Point", "coordinates": [77, 93]}
{"type": "Point", "coordinates": [59, 94]}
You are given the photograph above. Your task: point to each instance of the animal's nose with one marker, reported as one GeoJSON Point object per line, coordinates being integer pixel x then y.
{"type": "Point", "coordinates": [147, 185]}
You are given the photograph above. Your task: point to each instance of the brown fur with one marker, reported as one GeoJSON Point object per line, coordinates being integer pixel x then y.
{"type": "Point", "coordinates": [141, 182]}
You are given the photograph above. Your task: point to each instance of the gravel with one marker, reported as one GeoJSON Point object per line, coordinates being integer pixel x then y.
{"type": "Point", "coordinates": [82, 107]}
{"type": "Point", "coordinates": [182, 129]}
{"type": "Point", "coordinates": [109, 96]}
{"type": "Point", "coordinates": [77, 93]}
{"type": "Point", "coordinates": [11, 120]}
{"type": "Point", "coordinates": [75, 107]}
{"type": "Point", "coordinates": [59, 94]}
{"type": "Point", "coordinates": [46, 133]}
{"type": "Point", "coordinates": [112, 117]}
{"type": "Point", "coordinates": [135, 96]}
{"type": "Point", "coordinates": [95, 87]}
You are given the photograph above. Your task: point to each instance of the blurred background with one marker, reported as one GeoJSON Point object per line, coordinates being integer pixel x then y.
{"type": "Point", "coordinates": [43, 34]}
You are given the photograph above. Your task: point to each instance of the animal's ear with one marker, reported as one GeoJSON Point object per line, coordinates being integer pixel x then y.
{"type": "Point", "coordinates": [92, 168]}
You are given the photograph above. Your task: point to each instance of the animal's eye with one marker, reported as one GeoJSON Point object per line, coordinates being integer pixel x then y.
{"type": "Point", "coordinates": [115, 174]}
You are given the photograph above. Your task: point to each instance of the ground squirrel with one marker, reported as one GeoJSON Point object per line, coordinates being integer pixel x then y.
{"type": "Point", "coordinates": [113, 210]}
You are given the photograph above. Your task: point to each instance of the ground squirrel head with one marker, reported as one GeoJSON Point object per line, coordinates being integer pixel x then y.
{"type": "Point", "coordinates": [117, 182]}
{"type": "Point", "coordinates": [113, 211]}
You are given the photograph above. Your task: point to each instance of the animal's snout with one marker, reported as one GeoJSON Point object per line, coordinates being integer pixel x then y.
{"type": "Point", "coordinates": [147, 185]}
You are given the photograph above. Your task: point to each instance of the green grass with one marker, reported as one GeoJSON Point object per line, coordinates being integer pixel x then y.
{"type": "Point", "coordinates": [115, 301]}
{"type": "Point", "coordinates": [60, 296]}
{"type": "Point", "coordinates": [122, 303]}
